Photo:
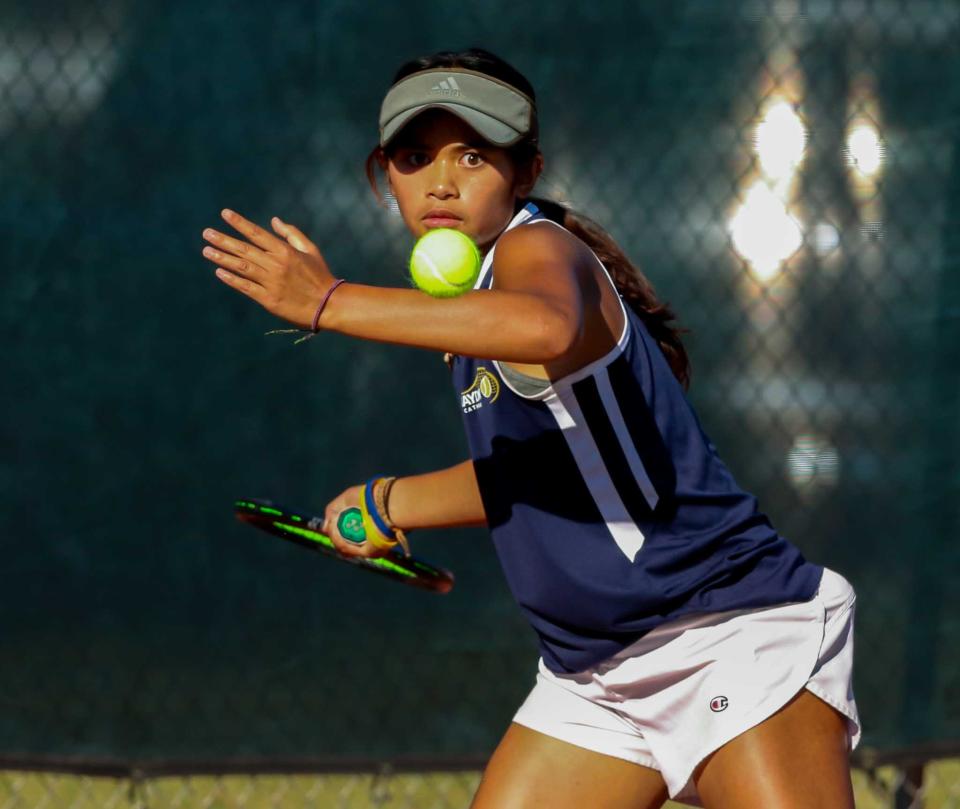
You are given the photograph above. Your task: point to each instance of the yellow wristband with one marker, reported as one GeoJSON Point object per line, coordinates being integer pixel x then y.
{"type": "Point", "coordinates": [374, 535]}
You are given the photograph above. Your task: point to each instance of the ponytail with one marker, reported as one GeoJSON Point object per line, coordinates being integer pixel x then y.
{"type": "Point", "coordinates": [637, 291]}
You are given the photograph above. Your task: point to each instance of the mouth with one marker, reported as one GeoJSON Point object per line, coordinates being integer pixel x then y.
{"type": "Point", "coordinates": [441, 218]}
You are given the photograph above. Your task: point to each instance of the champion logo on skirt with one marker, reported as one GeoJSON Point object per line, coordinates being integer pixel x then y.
{"type": "Point", "coordinates": [718, 704]}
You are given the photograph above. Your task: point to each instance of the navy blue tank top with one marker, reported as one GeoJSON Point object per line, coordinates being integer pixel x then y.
{"type": "Point", "coordinates": [608, 505]}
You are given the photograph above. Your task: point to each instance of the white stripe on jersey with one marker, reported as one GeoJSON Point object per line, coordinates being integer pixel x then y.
{"type": "Point", "coordinates": [626, 442]}
{"type": "Point", "coordinates": [587, 456]}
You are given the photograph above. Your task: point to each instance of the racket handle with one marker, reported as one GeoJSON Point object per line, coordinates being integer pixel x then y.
{"type": "Point", "coordinates": [350, 525]}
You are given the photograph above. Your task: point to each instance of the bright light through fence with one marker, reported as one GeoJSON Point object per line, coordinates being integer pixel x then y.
{"type": "Point", "coordinates": [826, 238]}
{"type": "Point", "coordinates": [813, 463]}
{"type": "Point", "coordinates": [865, 149]}
{"type": "Point", "coordinates": [780, 139]}
{"type": "Point", "coordinates": [763, 232]}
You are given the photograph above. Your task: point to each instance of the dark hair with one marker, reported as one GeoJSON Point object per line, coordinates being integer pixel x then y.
{"type": "Point", "coordinates": [637, 291]}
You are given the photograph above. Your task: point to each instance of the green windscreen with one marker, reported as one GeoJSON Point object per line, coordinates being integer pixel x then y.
{"type": "Point", "coordinates": [786, 174]}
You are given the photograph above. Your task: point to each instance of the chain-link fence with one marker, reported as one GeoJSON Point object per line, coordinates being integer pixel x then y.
{"type": "Point", "coordinates": [786, 173]}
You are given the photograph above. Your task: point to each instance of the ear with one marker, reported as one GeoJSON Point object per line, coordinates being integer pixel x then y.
{"type": "Point", "coordinates": [382, 161]}
{"type": "Point", "coordinates": [528, 179]}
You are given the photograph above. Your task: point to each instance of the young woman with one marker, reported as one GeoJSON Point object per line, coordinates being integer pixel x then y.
{"type": "Point", "coordinates": [687, 649]}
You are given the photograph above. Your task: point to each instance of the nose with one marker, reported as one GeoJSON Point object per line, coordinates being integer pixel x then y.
{"type": "Point", "coordinates": [442, 182]}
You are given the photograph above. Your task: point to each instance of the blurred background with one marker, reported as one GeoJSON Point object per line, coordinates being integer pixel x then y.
{"type": "Point", "coordinates": [786, 173]}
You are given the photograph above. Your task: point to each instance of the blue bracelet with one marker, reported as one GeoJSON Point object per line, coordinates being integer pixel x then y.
{"type": "Point", "coordinates": [387, 532]}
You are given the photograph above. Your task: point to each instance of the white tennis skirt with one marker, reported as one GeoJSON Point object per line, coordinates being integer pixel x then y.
{"type": "Point", "coordinates": [689, 686]}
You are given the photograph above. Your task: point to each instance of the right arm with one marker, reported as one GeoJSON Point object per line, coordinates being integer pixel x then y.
{"type": "Point", "coordinates": [447, 498]}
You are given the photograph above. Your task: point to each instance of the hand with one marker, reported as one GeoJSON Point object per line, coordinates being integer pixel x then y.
{"type": "Point", "coordinates": [348, 499]}
{"type": "Point", "coordinates": [287, 276]}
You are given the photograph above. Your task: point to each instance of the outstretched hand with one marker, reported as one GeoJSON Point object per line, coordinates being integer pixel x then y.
{"type": "Point", "coordinates": [285, 274]}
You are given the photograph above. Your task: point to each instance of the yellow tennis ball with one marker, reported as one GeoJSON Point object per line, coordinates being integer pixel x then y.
{"type": "Point", "coordinates": [445, 262]}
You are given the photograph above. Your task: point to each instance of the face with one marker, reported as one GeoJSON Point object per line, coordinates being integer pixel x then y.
{"type": "Point", "coordinates": [437, 161]}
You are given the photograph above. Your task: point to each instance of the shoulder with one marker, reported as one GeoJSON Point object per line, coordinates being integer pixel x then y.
{"type": "Point", "coordinates": [541, 248]}
{"type": "Point", "coordinates": [542, 239]}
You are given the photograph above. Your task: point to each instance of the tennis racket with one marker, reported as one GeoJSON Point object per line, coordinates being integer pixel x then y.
{"type": "Point", "coordinates": [304, 529]}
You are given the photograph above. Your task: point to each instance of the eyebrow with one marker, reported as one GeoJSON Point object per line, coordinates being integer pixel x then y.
{"type": "Point", "coordinates": [472, 144]}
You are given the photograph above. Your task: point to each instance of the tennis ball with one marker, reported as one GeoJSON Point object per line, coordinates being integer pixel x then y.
{"type": "Point", "coordinates": [445, 262]}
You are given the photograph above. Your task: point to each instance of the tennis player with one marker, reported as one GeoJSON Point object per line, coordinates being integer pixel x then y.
{"type": "Point", "coordinates": [686, 648]}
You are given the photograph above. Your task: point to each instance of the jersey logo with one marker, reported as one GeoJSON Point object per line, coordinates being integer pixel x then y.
{"type": "Point", "coordinates": [485, 389]}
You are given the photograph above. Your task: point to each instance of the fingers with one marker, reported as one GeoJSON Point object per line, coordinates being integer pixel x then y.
{"type": "Point", "coordinates": [294, 236]}
{"type": "Point", "coordinates": [348, 501]}
{"type": "Point", "coordinates": [249, 288]}
{"type": "Point", "coordinates": [228, 247]}
{"type": "Point", "coordinates": [253, 232]}
{"type": "Point", "coordinates": [344, 547]}
{"type": "Point", "coordinates": [243, 267]}
{"type": "Point", "coordinates": [365, 550]}
{"type": "Point", "coordinates": [347, 548]}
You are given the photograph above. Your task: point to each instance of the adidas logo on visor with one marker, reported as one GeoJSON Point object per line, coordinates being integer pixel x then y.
{"type": "Point", "coordinates": [447, 87]}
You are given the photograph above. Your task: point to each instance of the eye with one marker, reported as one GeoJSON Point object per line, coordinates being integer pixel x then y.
{"type": "Point", "coordinates": [477, 155]}
{"type": "Point", "coordinates": [413, 158]}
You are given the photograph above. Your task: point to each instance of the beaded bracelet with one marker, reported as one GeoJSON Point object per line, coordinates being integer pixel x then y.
{"type": "Point", "coordinates": [372, 507]}
{"type": "Point", "coordinates": [381, 495]}
{"type": "Point", "coordinates": [377, 533]}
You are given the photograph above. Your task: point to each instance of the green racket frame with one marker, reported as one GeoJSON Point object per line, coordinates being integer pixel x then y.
{"type": "Point", "coordinates": [303, 529]}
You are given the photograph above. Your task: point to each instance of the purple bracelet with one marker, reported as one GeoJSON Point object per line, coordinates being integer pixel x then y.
{"type": "Point", "coordinates": [316, 317]}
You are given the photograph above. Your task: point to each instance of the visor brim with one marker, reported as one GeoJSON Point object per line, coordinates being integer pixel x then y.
{"type": "Point", "coordinates": [489, 128]}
